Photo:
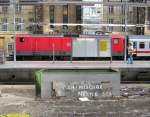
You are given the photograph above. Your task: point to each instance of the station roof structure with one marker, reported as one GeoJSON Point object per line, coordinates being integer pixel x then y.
{"type": "Point", "coordinates": [75, 2]}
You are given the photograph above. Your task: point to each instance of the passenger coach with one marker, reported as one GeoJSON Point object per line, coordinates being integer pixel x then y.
{"type": "Point", "coordinates": [141, 45]}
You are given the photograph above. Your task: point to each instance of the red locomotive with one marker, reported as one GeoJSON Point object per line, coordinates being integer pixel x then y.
{"type": "Point", "coordinates": [42, 46]}
{"type": "Point", "coordinates": [60, 46]}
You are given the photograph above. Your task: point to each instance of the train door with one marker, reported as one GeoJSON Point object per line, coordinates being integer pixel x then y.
{"type": "Point", "coordinates": [104, 45]}
{"type": "Point", "coordinates": [134, 43]}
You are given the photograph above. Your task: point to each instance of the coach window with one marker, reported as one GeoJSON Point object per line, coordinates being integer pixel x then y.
{"type": "Point", "coordinates": [21, 39]}
{"type": "Point", "coordinates": [142, 45]}
{"type": "Point", "coordinates": [116, 41]}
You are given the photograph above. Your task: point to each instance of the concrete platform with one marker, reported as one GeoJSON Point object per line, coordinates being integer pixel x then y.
{"type": "Point", "coordinates": [74, 65]}
{"type": "Point", "coordinates": [24, 71]}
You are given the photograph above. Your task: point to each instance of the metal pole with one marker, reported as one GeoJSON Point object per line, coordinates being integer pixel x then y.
{"type": "Point", "coordinates": [14, 28]}
{"type": "Point", "coordinates": [126, 32]}
{"type": "Point", "coordinates": [53, 53]}
{"type": "Point", "coordinates": [71, 50]}
{"type": "Point", "coordinates": [110, 49]}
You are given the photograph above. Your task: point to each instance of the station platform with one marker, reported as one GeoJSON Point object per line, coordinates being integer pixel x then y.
{"type": "Point", "coordinates": [24, 71]}
{"type": "Point", "coordinates": [74, 65]}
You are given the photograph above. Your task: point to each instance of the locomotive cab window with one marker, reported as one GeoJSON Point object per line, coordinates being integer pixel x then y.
{"type": "Point", "coordinates": [141, 45]}
{"type": "Point", "coordinates": [21, 39]}
{"type": "Point", "coordinates": [116, 40]}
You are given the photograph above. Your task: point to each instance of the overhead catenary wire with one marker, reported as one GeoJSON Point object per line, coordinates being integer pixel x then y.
{"type": "Point", "coordinates": [78, 24]}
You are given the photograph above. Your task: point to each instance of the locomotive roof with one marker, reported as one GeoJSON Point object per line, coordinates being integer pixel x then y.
{"type": "Point", "coordinates": [139, 36]}
{"type": "Point", "coordinates": [37, 35]}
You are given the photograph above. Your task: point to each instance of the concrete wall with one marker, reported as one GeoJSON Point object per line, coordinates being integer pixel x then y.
{"type": "Point", "coordinates": [21, 76]}
{"type": "Point", "coordinates": [54, 81]}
